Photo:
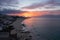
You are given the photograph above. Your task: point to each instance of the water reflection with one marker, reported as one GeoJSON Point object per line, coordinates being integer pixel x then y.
{"type": "Point", "coordinates": [44, 28]}
{"type": "Point", "coordinates": [29, 23]}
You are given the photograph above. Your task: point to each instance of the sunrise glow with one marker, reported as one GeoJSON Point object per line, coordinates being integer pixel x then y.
{"type": "Point", "coordinates": [33, 13]}
{"type": "Point", "coordinates": [30, 14]}
{"type": "Point", "coordinates": [27, 14]}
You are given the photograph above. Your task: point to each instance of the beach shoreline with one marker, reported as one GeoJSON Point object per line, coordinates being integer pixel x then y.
{"type": "Point", "coordinates": [15, 21]}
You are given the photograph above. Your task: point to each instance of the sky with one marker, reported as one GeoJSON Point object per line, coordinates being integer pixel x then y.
{"type": "Point", "coordinates": [29, 5]}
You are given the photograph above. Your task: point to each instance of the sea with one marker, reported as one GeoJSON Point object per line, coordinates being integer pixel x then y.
{"type": "Point", "coordinates": [43, 28]}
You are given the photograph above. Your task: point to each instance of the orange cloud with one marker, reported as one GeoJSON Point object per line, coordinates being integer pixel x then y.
{"type": "Point", "coordinates": [37, 13]}
{"type": "Point", "coordinates": [33, 13]}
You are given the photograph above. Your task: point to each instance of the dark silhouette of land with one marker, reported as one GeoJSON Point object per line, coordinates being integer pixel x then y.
{"type": "Point", "coordinates": [8, 25]}
{"type": "Point", "coordinates": [49, 16]}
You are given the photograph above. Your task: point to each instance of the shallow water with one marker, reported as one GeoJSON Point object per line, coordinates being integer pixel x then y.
{"type": "Point", "coordinates": [44, 28]}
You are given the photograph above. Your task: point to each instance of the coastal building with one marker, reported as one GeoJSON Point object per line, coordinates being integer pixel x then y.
{"type": "Point", "coordinates": [11, 28]}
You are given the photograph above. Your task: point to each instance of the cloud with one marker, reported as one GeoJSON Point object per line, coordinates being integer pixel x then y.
{"type": "Point", "coordinates": [49, 5]}
{"type": "Point", "coordinates": [45, 8]}
{"type": "Point", "coordinates": [35, 5]}
{"type": "Point", "coordinates": [18, 4]}
{"type": "Point", "coordinates": [30, 5]}
{"type": "Point", "coordinates": [8, 4]}
{"type": "Point", "coordinates": [10, 11]}
{"type": "Point", "coordinates": [37, 13]}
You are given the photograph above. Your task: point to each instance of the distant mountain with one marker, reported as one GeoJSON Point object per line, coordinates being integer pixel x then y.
{"type": "Point", "coordinates": [50, 16]}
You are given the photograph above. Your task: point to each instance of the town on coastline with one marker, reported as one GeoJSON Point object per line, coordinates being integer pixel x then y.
{"type": "Point", "coordinates": [11, 28]}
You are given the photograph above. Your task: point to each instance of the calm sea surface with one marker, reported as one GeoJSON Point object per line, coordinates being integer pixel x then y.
{"type": "Point", "coordinates": [44, 28]}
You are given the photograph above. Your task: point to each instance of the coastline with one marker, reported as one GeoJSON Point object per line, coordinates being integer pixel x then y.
{"type": "Point", "coordinates": [15, 21]}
